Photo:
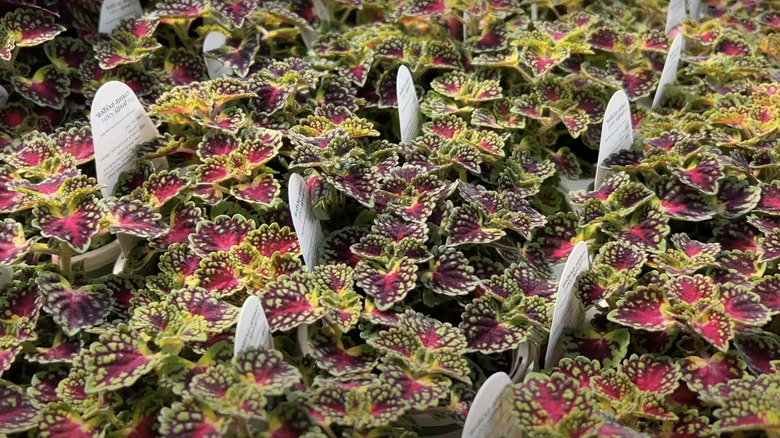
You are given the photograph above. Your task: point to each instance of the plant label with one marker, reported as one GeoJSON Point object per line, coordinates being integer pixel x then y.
{"type": "Point", "coordinates": [675, 15]}
{"type": "Point", "coordinates": [6, 275]}
{"type": "Point", "coordinates": [114, 11]}
{"type": "Point", "coordinates": [307, 226]}
{"type": "Point", "coordinates": [322, 10]}
{"type": "Point", "coordinates": [3, 97]}
{"type": "Point", "coordinates": [567, 312]}
{"type": "Point", "coordinates": [669, 73]}
{"type": "Point", "coordinates": [408, 106]}
{"type": "Point", "coordinates": [616, 132]}
{"type": "Point", "coordinates": [119, 125]}
{"type": "Point", "coordinates": [252, 329]}
{"type": "Point", "coordinates": [534, 11]}
{"type": "Point", "coordinates": [215, 68]}
{"type": "Point", "coordinates": [490, 415]}
{"type": "Point", "coordinates": [695, 9]}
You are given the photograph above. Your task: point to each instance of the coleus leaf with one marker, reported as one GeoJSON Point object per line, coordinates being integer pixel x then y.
{"type": "Point", "coordinates": [135, 218]}
{"type": "Point", "coordinates": [450, 274]}
{"type": "Point", "coordinates": [63, 350]}
{"type": "Point", "coordinates": [704, 173]}
{"type": "Point", "coordinates": [76, 141]}
{"type": "Point", "coordinates": [715, 326]}
{"type": "Point", "coordinates": [691, 289]}
{"type": "Point", "coordinates": [621, 257]}
{"type": "Point", "coordinates": [13, 243]}
{"type": "Point", "coordinates": [43, 387]}
{"type": "Point", "coordinates": [62, 419]}
{"type": "Point", "coordinates": [465, 226]}
{"type": "Point", "coordinates": [646, 229]}
{"type": "Point", "coordinates": [17, 413]}
{"type": "Point", "coordinates": [182, 66]}
{"type": "Point", "coordinates": [222, 272]}
{"type": "Point", "coordinates": [235, 11]}
{"type": "Point", "coordinates": [558, 237]}
{"type": "Point", "coordinates": [425, 342]}
{"type": "Point", "coordinates": [645, 308]}
{"type": "Point", "coordinates": [682, 202]}
{"type": "Point", "coordinates": [192, 418]}
{"type": "Point", "coordinates": [703, 373]}
{"type": "Point", "coordinates": [736, 197]}
{"type": "Point", "coordinates": [770, 199]}
{"type": "Point", "coordinates": [487, 328]}
{"type": "Point", "coordinates": [387, 285]}
{"type": "Point", "coordinates": [29, 27]}
{"type": "Point", "coordinates": [364, 408]}
{"type": "Point", "coordinates": [118, 359]}
{"type": "Point", "coordinates": [47, 87]}
{"type": "Point", "coordinates": [608, 348]}
{"type": "Point", "coordinates": [340, 356]}
{"type": "Point", "coordinates": [768, 289]}
{"type": "Point", "coordinates": [222, 234]}
{"type": "Point", "coordinates": [163, 186]}
{"type": "Point", "coordinates": [183, 221]}
{"type": "Point", "coordinates": [273, 239]}
{"type": "Point", "coordinates": [73, 309]}
{"type": "Point", "coordinates": [266, 371]}
{"type": "Point", "coordinates": [421, 391]}
{"type": "Point", "coordinates": [750, 404]}
{"type": "Point", "coordinates": [649, 373]}
{"type": "Point", "coordinates": [290, 302]}
{"type": "Point", "coordinates": [759, 349]}
{"type": "Point", "coordinates": [547, 403]}
{"type": "Point", "coordinates": [263, 190]}
{"type": "Point", "coordinates": [218, 315]}
{"type": "Point", "coordinates": [291, 419]}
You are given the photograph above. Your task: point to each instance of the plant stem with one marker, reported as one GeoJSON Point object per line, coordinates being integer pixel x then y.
{"type": "Point", "coordinates": [328, 430]}
{"type": "Point", "coordinates": [42, 248]}
{"type": "Point", "coordinates": [65, 258]}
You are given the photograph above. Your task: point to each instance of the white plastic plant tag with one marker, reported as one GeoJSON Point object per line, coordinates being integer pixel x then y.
{"type": "Point", "coordinates": [6, 275]}
{"type": "Point", "coordinates": [669, 73]}
{"type": "Point", "coordinates": [3, 97]}
{"type": "Point", "coordinates": [694, 9]}
{"type": "Point", "coordinates": [307, 226]}
{"type": "Point", "coordinates": [616, 132]}
{"type": "Point", "coordinates": [534, 11]}
{"type": "Point", "coordinates": [567, 312]}
{"type": "Point", "coordinates": [252, 329]}
{"type": "Point", "coordinates": [113, 11]}
{"type": "Point", "coordinates": [675, 15]}
{"type": "Point", "coordinates": [119, 125]}
{"type": "Point", "coordinates": [322, 10]}
{"type": "Point", "coordinates": [215, 68]}
{"type": "Point", "coordinates": [408, 106]}
{"type": "Point", "coordinates": [490, 415]}
{"type": "Point", "coordinates": [309, 37]}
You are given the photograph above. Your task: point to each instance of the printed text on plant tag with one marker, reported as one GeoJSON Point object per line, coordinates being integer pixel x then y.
{"type": "Point", "coordinates": [113, 11]}
{"type": "Point", "coordinates": [567, 312]}
{"type": "Point", "coordinates": [252, 330]}
{"type": "Point", "coordinates": [307, 226]}
{"type": "Point", "coordinates": [616, 132]}
{"type": "Point", "coordinates": [669, 73]}
{"type": "Point", "coordinates": [408, 106]}
{"type": "Point", "coordinates": [490, 415]}
{"type": "Point", "coordinates": [119, 125]}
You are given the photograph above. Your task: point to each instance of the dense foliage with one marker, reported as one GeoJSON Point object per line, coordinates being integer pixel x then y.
{"type": "Point", "coordinates": [440, 256]}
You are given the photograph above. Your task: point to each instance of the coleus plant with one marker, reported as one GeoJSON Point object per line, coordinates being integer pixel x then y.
{"type": "Point", "coordinates": [438, 255]}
